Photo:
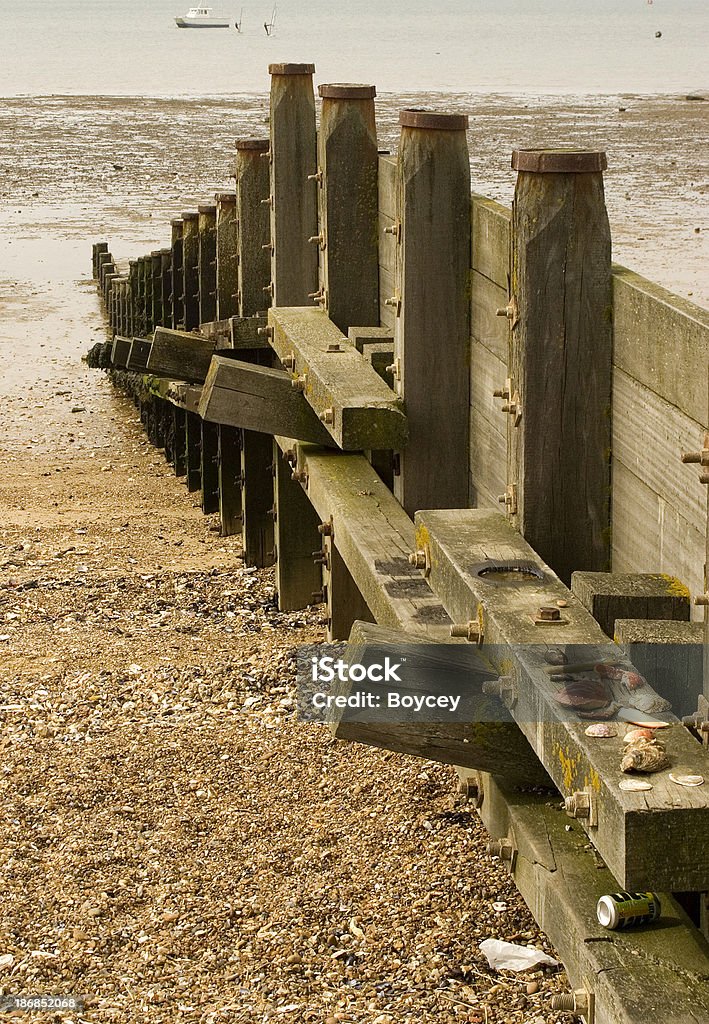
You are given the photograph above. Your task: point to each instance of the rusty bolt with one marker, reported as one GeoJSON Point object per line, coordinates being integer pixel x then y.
{"type": "Point", "coordinates": [508, 311]}
{"type": "Point", "coordinates": [318, 240]}
{"type": "Point", "coordinates": [325, 528]}
{"type": "Point", "coordinates": [701, 599]}
{"type": "Point", "coordinates": [267, 202]}
{"type": "Point", "coordinates": [318, 176]}
{"type": "Point", "coordinates": [469, 630]}
{"type": "Point", "coordinates": [704, 478]}
{"type": "Point", "coordinates": [701, 457]}
{"type": "Point", "coordinates": [327, 416]}
{"type": "Point", "coordinates": [498, 687]}
{"type": "Point", "coordinates": [321, 558]}
{"type": "Point", "coordinates": [266, 155]}
{"type": "Point", "coordinates": [334, 347]}
{"type": "Point", "coordinates": [501, 392]}
{"type": "Point", "coordinates": [510, 407]}
{"type": "Point", "coordinates": [298, 383]}
{"type": "Point", "coordinates": [418, 559]}
{"type": "Point", "coordinates": [548, 613]}
{"type": "Point", "coordinates": [578, 805]}
{"type": "Point", "coordinates": [300, 475]}
{"type": "Point", "coordinates": [319, 596]}
{"type": "Point", "coordinates": [269, 246]}
{"type": "Point", "coordinates": [288, 362]}
{"type": "Point", "coordinates": [268, 288]}
{"type": "Point", "coordinates": [272, 513]}
{"type": "Point", "coordinates": [267, 331]}
{"type": "Point", "coordinates": [502, 848]}
{"type": "Point", "coordinates": [580, 1003]}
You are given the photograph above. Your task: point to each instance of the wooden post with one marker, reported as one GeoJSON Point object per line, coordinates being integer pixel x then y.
{"type": "Point", "coordinates": [227, 273]}
{"type": "Point", "coordinates": [166, 286]}
{"type": "Point", "coordinates": [96, 249]}
{"type": "Point", "coordinates": [179, 429]}
{"type": "Point", "coordinates": [637, 595]}
{"type": "Point", "coordinates": [558, 400]}
{"type": "Point", "coordinates": [156, 272]}
{"type": "Point", "coordinates": [229, 443]}
{"type": "Point", "coordinates": [257, 498]}
{"type": "Point", "coordinates": [148, 294]}
{"type": "Point", "coordinates": [298, 566]}
{"type": "Point", "coordinates": [102, 258]}
{"type": "Point", "coordinates": [193, 448]}
{"type": "Point", "coordinates": [207, 257]}
{"type": "Point", "coordinates": [209, 463]}
{"type": "Point", "coordinates": [253, 216]}
{"type": "Point", "coordinates": [139, 298]}
{"type": "Point", "coordinates": [432, 331]}
{"type": "Point", "coordinates": [344, 600]}
{"type": "Point", "coordinates": [132, 298]}
{"type": "Point", "coordinates": [293, 198]}
{"type": "Point", "coordinates": [348, 185]}
{"type": "Point", "coordinates": [178, 312]}
{"type": "Point", "coordinates": [190, 269]}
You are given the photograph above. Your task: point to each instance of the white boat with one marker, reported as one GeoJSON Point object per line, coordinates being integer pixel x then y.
{"type": "Point", "coordinates": [201, 17]}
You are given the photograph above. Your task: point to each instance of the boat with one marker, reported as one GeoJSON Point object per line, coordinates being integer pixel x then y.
{"type": "Point", "coordinates": [268, 25]}
{"type": "Point", "coordinates": [201, 17]}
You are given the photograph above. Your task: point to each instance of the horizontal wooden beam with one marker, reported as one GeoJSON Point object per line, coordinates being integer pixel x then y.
{"type": "Point", "coordinates": [498, 747]}
{"type": "Point", "coordinates": [244, 332]}
{"type": "Point", "coordinates": [650, 839]}
{"type": "Point", "coordinates": [636, 975]}
{"type": "Point", "coordinates": [180, 354]}
{"type": "Point", "coordinates": [177, 392]}
{"type": "Point", "coordinates": [139, 353]}
{"type": "Point", "coordinates": [120, 352]}
{"type": "Point", "coordinates": [359, 410]}
{"type": "Point", "coordinates": [258, 398]}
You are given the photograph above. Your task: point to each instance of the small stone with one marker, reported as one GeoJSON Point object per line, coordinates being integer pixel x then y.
{"type": "Point", "coordinates": [532, 987]}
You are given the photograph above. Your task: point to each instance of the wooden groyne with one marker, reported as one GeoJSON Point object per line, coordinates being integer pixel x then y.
{"type": "Point", "coordinates": [392, 389]}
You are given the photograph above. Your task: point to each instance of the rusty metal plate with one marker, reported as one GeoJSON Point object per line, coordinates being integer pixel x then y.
{"type": "Point", "coordinates": [347, 91]}
{"type": "Point", "coordinates": [559, 161]}
{"type": "Point", "coordinates": [414, 118]}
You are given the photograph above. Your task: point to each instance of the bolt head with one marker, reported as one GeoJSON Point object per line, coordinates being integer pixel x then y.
{"type": "Point", "coordinates": [549, 614]}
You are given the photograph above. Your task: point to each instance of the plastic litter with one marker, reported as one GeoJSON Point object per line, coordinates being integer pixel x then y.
{"type": "Point", "coordinates": [508, 956]}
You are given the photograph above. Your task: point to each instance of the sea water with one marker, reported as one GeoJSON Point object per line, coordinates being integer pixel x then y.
{"type": "Point", "coordinates": [133, 47]}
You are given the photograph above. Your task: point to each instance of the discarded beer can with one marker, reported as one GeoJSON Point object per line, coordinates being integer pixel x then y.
{"type": "Point", "coordinates": [628, 909]}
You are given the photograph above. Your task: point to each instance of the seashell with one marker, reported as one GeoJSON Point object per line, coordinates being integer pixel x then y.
{"type": "Point", "coordinates": [584, 695]}
{"type": "Point", "coordinates": [608, 671]}
{"type": "Point", "coordinates": [633, 681]}
{"type": "Point", "coordinates": [638, 734]}
{"type": "Point", "coordinates": [687, 780]}
{"type": "Point", "coordinates": [601, 730]}
{"type": "Point", "coordinates": [555, 656]}
{"type": "Point", "coordinates": [603, 713]}
{"type": "Point", "coordinates": [634, 785]}
{"type": "Point", "coordinates": [644, 721]}
{"type": "Point", "coordinates": [650, 702]}
{"type": "Point", "coordinates": [645, 756]}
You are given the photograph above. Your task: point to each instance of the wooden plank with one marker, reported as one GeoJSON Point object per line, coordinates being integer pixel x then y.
{"type": "Point", "coordinates": [209, 468]}
{"type": "Point", "coordinates": [558, 424]}
{"type": "Point", "coordinates": [218, 331]}
{"type": "Point", "coordinates": [120, 352]}
{"type": "Point", "coordinates": [359, 410]}
{"type": "Point", "coordinates": [488, 441]}
{"type": "Point", "coordinates": [244, 332]}
{"type": "Point", "coordinates": [374, 536]}
{"type": "Point", "coordinates": [669, 655]}
{"type": "Point", "coordinates": [662, 341]}
{"type": "Point", "coordinates": [294, 213]}
{"type": "Point", "coordinates": [610, 596]}
{"type": "Point", "coordinates": [179, 432]}
{"type": "Point", "coordinates": [257, 499]}
{"type": "Point", "coordinates": [387, 185]}
{"type": "Point", "coordinates": [139, 353]}
{"type": "Point", "coordinates": [348, 165]}
{"type": "Point", "coordinates": [432, 330]}
{"type": "Point", "coordinates": [345, 601]}
{"type": "Point", "coordinates": [298, 576]}
{"type": "Point", "coordinates": [632, 828]}
{"type": "Point", "coordinates": [387, 289]}
{"type": "Point", "coordinates": [387, 243]}
{"type": "Point", "coordinates": [491, 231]}
{"type": "Point", "coordinates": [193, 444]}
{"type": "Point", "coordinates": [259, 398]}
{"type": "Point", "coordinates": [180, 354]}
{"type": "Point", "coordinates": [636, 975]}
{"type": "Point", "coordinates": [458, 742]}
{"type": "Point", "coordinates": [486, 327]}
{"type": "Point", "coordinates": [651, 536]}
{"type": "Point", "coordinates": [649, 436]}
{"type": "Point", "coordinates": [229, 454]}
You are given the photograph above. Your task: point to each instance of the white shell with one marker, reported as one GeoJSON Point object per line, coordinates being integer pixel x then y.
{"type": "Point", "coordinates": [634, 785]}
{"type": "Point", "coordinates": [649, 701]}
{"type": "Point", "coordinates": [687, 780]}
{"type": "Point", "coordinates": [601, 730]}
{"type": "Point", "coordinates": [644, 721]}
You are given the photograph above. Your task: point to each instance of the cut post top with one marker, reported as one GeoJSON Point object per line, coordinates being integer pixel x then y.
{"type": "Point", "coordinates": [190, 215]}
{"type": "Point", "coordinates": [260, 145]}
{"type": "Point", "coordinates": [225, 198]}
{"type": "Point", "coordinates": [291, 69]}
{"type": "Point", "coordinates": [432, 119]}
{"type": "Point", "coordinates": [559, 161]}
{"type": "Point", "coordinates": [347, 91]}
{"type": "Point", "coordinates": [207, 210]}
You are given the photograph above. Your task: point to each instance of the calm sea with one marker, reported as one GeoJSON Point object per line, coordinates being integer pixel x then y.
{"type": "Point", "coordinates": [133, 47]}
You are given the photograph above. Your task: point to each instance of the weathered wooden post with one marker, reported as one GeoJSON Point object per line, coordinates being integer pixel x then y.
{"type": "Point", "coordinates": [179, 430]}
{"type": "Point", "coordinates": [178, 313]}
{"type": "Point", "coordinates": [293, 198]}
{"type": "Point", "coordinates": [96, 248]}
{"type": "Point", "coordinates": [227, 255]}
{"type": "Point", "coordinates": [209, 466]}
{"type": "Point", "coordinates": [207, 261]}
{"type": "Point", "coordinates": [102, 258]}
{"type": "Point", "coordinates": [156, 273]}
{"type": "Point", "coordinates": [193, 448]}
{"type": "Point", "coordinates": [432, 331]}
{"type": "Point", "coordinates": [132, 297]}
{"type": "Point", "coordinates": [254, 220]}
{"type": "Point", "coordinates": [297, 540]}
{"type": "Point", "coordinates": [558, 398]}
{"type": "Point", "coordinates": [347, 176]}
{"type": "Point", "coordinates": [166, 286]}
{"type": "Point", "coordinates": [148, 294]}
{"type": "Point", "coordinates": [190, 269]}
{"type": "Point", "coordinates": [253, 216]}
{"type": "Point", "coordinates": [229, 468]}
{"type": "Point", "coordinates": [139, 298]}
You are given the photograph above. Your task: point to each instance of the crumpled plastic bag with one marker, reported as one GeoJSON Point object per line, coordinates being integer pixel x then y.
{"type": "Point", "coordinates": [510, 957]}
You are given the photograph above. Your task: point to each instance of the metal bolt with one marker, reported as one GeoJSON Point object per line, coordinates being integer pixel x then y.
{"type": "Point", "coordinates": [318, 240]}
{"type": "Point", "coordinates": [502, 848]}
{"type": "Point", "coordinates": [267, 331]}
{"type": "Point", "coordinates": [393, 229]}
{"type": "Point", "coordinates": [289, 362]}
{"type": "Point", "coordinates": [334, 347]}
{"type": "Point", "coordinates": [578, 805]}
{"type": "Point", "coordinates": [701, 457]}
{"type": "Point", "coordinates": [328, 416]}
{"type": "Point", "coordinates": [325, 528]}
{"type": "Point", "coordinates": [266, 155]}
{"type": "Point", "coordinates": [298, 383]}
{"type": "Point", "coordinates": [317, 296]}
{"type": "Point", "coordinates": [501, 392]}
{"type": "Point", "coordinates": [508, 311]}
{"type": "Point", "coordinates": [300, 475]}
{"type": "Point", "coordinates": [469, 630]}
{"type": "Point", "coordinates": [267, 202]}
{"type": "Point", "coordinates": [319, 596]}
{"type": "Point", "coordinates": [268, 288]}
{"type": "Point", "coordinates": [498, 687]}
{"type": "Point", "coordinates": [272, 513]}
{"type": "Point", "coordinates": [580, 1003]}
{"type": "Point", "coordinates": [418, 559]}
{"type": "Point", "coordinates": [509, 407]}
{"type": "Point", "coordinates": [321, 558]}
{"type": "Point", "coordinates": [701, 599]}
{"type": "Point", "coordinates": [548, 613]}
{"type": "Point", "coordinates": [316, 177]}
{"type": "Point", "coordinates": [268, 245]}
